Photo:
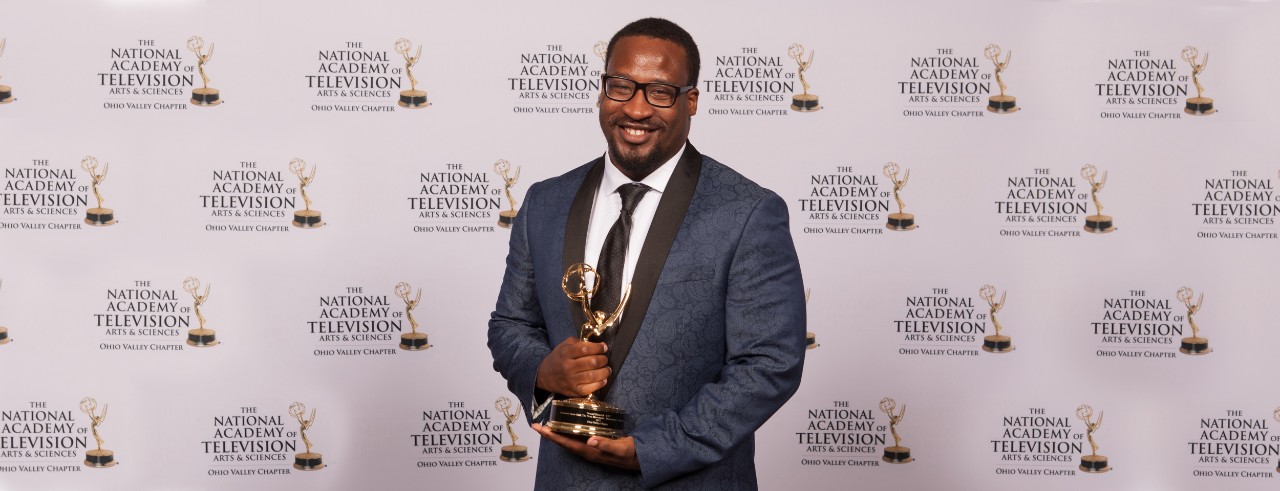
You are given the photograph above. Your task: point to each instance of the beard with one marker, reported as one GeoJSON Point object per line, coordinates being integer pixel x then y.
{"type": "Point", "coordinates": [636, 163]}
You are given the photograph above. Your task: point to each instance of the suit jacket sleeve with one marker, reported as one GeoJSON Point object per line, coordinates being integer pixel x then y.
{"type": "Point", "coordinates": [765, 345]}
{"type": "Point", "coordinates": [517, 332]}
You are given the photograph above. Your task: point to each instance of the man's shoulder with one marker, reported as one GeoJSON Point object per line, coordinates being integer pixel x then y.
{"type": "Point", "coordinates": [563, 184]}
{"type": "Point", "coordinates": [721, 178]}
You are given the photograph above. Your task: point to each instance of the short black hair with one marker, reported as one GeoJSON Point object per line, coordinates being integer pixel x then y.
{"type": "Point", "coordinates": [665, 30]}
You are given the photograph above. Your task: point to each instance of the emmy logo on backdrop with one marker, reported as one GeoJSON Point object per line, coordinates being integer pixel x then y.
{"type": "Point", "coordinates": [897, 454]}
{"type": "Point", "coordinates": [582, 417]}
{"type": "Point", "coordinates": [1096, 223]}
{"type": "Point", "coordinates": [1198, 105]}
{"type": "Point", "coordinates": [503, 168]}
{"type": "Point", "coordinates": [412, 98]}
{"type": "Point", "coordinates": [309, 461]}
{"type": "Point", "coordinates": [203, 96]}
{"type": "Point", "coordinates": [810, 339]}
{"type": "Point", "coordinates": [414, 340]}
{"type": "Point", "coordinates": [1000, 104]}
{"type": "Point", "coordinates": [6, 92]}
{"type": "Point", "coordinates": [997, 343]}
{"type": "Point", "coordinates": [307, 218]}
{"type": "Point", "coordinates": [99, 457]}
{"type": "Point", "coordinates": [512, 452]}
{"type": "Point", "coordinates": [1092, 463]}
{"type": "Point", "coordinates": [202, 337]}
{"type": "Point", "coordinates": [4, 331]}
{"type": "Point", "coordinates": [1276, 414]}
{"type": "Point", "coordinates": [805, 102]}
{"type": "Point", "coordinates": [1194, 345]}
{"type": "Point", "coordinates": [899, 220]}
{"type": "Point", "coordinates": [601, 49]}
{"type": "Point", "coordinates": [99, 216]}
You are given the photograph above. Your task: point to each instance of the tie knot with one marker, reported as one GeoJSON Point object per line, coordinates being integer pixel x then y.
{"type": "Point", "coordinates": [631, 194]}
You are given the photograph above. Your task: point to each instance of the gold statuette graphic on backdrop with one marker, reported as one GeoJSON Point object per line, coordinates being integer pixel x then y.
{"type": "Point", "coordinates": [1194, 345]}
{"type": "Point", "coordinates": [996, 343]}
{"type": "Point", "coordinates": [309, 461]}
{"type": "Point", "coordinates": [203, 96]}
{"type": "Point", "coordinates": [512, 452]}
{"type": "Point", "coordinates": [806, 102]}
{"type": "Point", "coordinates": [307, 218]}
{"type": "Point", "coordinates": [414, 340]}
{"type": "Point", "coordinates": [503, 168]}
{"type": "Point", "coordinates": [202, 337]}
{"type": "Point", "coordinates": [582, 417]}
{"type": "Point", "coordinates": [1276, 414]}
{"type": "Point", "coordinates": [412, 98]}
{"type": "Point", "coordinates": [897, 454]}
{"type": "Point", "coordinates": [899, 220]}
{"type": "Point", "coordinates": [1092, 463]}
{"type": "Point", "coordinates": [601, 49]}
{"type": "Point", "coordinates": [1096, 223]}
{"type": "Point", "coordinates": [1000, 104]}
{"type": "Point", "coordinates": [99, 216]}
{"type": "Point", "coordinates": [4, 331]}
{"type": "Point", "coordinates": [1198, 105]}
{"type": "Point", "coordinates": [6, 92]}
{"type": "Point", "coordinates": [810, 339]}
{"type": "Point", "coordinates": [99, 457]}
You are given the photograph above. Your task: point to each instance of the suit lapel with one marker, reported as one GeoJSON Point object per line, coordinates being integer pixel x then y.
{"type": "Point", "coordinates": [575, 234]}
{"type": "Point", "coordinates": [653, 255]}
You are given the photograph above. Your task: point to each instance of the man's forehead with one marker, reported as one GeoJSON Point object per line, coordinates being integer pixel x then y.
{"type": "Point", "coordinates": [647, 46]}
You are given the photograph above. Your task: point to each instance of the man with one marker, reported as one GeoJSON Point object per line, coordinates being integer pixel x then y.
{"type": "Point", "coordinates": [711, 342]}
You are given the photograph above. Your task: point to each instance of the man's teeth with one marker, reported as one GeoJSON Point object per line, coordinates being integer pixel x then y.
{"type": "Point", "coordinates": [635, 132]}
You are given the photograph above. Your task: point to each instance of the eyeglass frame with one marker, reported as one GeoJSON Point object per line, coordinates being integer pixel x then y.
{"type": "Point", "coordinates": [642, 87]}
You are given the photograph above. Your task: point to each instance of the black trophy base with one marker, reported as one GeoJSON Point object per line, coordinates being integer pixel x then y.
{"type": "Point", "coordinates": [1199, 106]}
{"type": "Point", "coordinates": [901, 221]}
{"type": "Point", "coordinates": [6, 94]}
{"type": "Point", "coordinates": [1002, 104]}
{"type": "Point", "coordinates": [1094, 464]}
{"type": "Point", "coordinates": [202, 338]}
{"type": "Point", "coordinates": [997, 344]}
{"type": "Point", "coordinates": [309, 461]}
{"type": "Point", "coordinates": [4, 336]}
{"type": "Point", "coordinates": [897, 455]}
{"type": "Point", "coordinates": [413, 99]}
{"type": "Point", "coordinates": [805, 103]}
{"type": "Point", "coordinates": [583, 418]}
{"type": "Point", "coordinates": [100, 217]}
{"type": "Point", "coordinates": [307, 219]}
{"type": "Point", "coordinates": [514, 453]}
{"type": "Point", "coordinates": [1195, 346]}
{"type": "Point", "coordinates": [205, 97]}
{"type": "Point", "coordinates": [1099, 224]}
{"type": "Point", "coordinates": [810, 341]}
{"type": "Point", "coordinates": [414, 341]}
{"type": "Point", "coordinates": [506, 218]}
{"type": "Point", "coordinates": [100, 458]}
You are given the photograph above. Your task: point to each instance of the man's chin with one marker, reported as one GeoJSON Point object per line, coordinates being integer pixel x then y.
{"type": "Point", "coordinates": [636, 165]}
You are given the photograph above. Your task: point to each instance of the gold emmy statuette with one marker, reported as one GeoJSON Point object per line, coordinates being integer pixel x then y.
{"type": "Point", "coordinates": [899, 220]}
{"type": "Point", "coordinates": [806, 102]}
{"type": "Point", "coordinates": [4, 331]}
{"type": "Point", "coordinates": [200, 338]}
{"type": "Point", "coordinates": [203, 96]}
{"type": "Point", "coordinates": [412, 341]}
{"type": "Point", "coordinates": [412, 98]}
{"type": "Point", "coordinates": [810, 339]}
{"type": "Point", "coordinates": [512, 452]}
{"type": "Point", "coordinates": [6, 92]}
{"type": "Point", "coordinates": [897, 454]}
{"type": "Point", "coordinates": [503, 168]}
{"type": "Point", "coordinates": [601, 49]}
{"type": "Point", "coordinates": [1198, 105]}
{"type": "Point", "coordinates": [307, 218]}
{"type": "Point", "coordinates": [1276, 414]}
{"type": "Point", "coordinates": [99, 457]}
{"type": "Point", "coordinates": [309, 461]}
{"type": "Point", "coordinates": [99, 216]}
{"type": "Point", "coordinates": [1092, 463]}
{"type": "Point", "coordinates": [1096, 223]}
{"type": "Point", "coordinates": [1194, 345]}
{"type": "Point", "coordinates": [997, 343]}
{"type": "Point", "coordinates": [582, 417]}
{"type": "Point", "coordinates": [1000, 104]}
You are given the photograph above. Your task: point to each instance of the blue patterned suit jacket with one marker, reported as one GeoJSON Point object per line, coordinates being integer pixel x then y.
{"type": "Point", "coordinates": [717, 325]}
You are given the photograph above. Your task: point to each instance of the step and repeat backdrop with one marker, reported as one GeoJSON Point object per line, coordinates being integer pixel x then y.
{"type": "Point", "coordinates": [256, 244]}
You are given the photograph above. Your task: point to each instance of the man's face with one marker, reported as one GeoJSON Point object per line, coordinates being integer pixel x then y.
{"type": "Point", "coordinates": [641, 136]}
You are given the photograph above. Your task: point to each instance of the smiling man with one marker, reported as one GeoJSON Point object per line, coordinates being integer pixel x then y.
{"type": "Point", "coordinates": [711, 339]}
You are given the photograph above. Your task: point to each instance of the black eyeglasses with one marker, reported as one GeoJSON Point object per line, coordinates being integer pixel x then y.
{"type": "Point", "coordinates": [622, 89]}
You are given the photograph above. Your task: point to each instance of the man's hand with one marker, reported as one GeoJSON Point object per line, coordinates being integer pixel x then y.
{"type": "Point", "coordinates": [618, 453]}
{"type": "Point", "coordinates": [574, 368]}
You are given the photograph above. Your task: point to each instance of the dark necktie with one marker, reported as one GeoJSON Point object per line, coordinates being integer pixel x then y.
{"type": "Point", "coordinates": [613, 256]}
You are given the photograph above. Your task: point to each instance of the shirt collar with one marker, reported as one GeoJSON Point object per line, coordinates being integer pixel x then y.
{"type": "Point", "coordinates": [657, 180]}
